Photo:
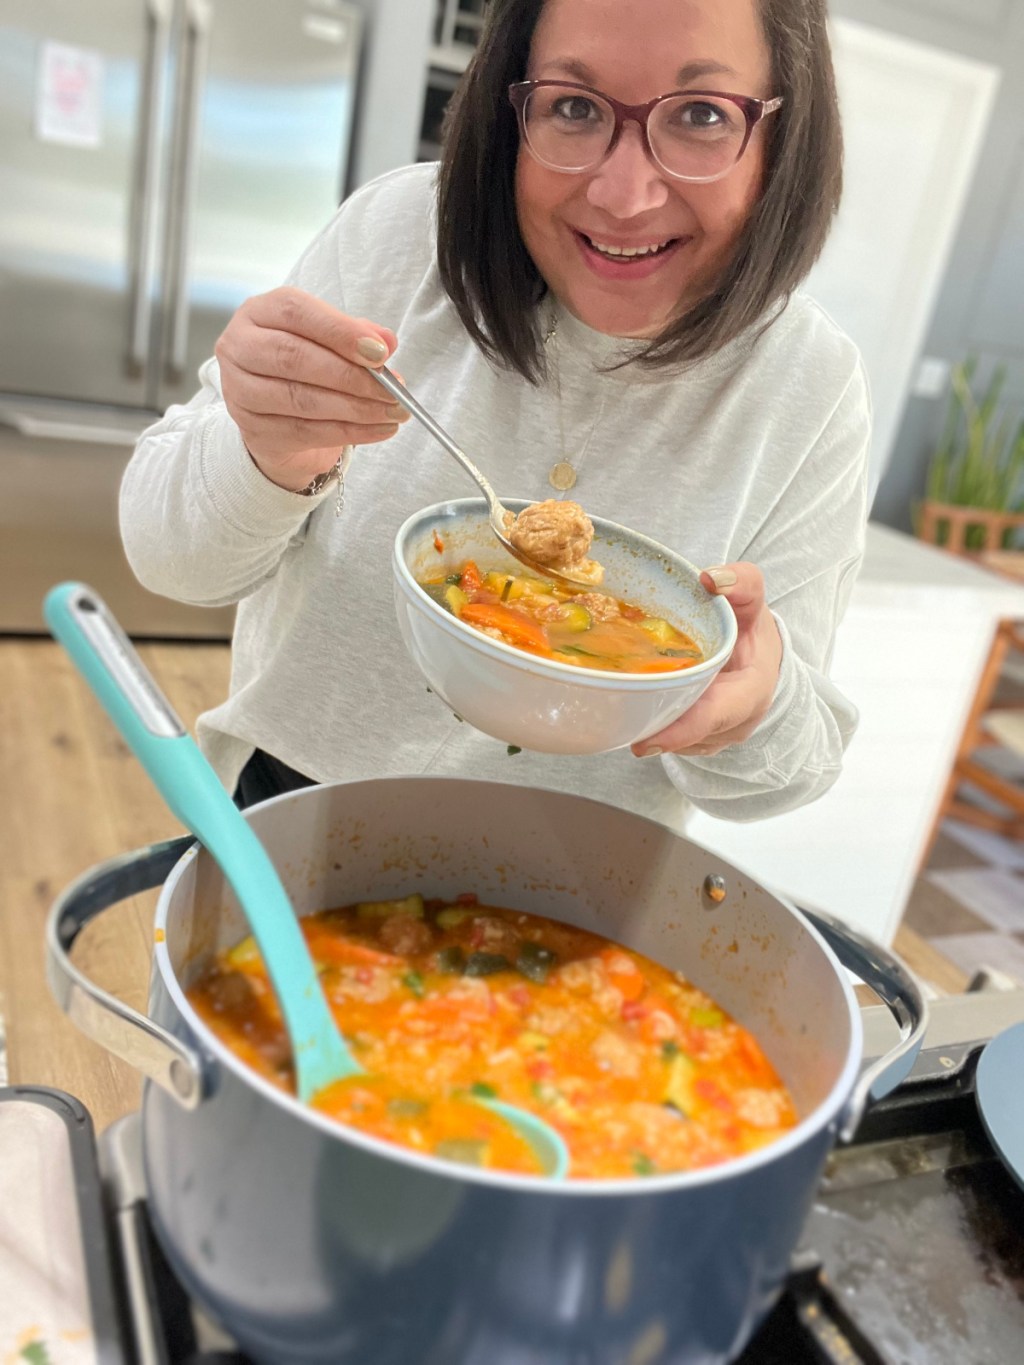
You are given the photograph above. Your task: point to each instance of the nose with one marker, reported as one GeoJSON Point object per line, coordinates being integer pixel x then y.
{"type": "Point", "coordinates": [628, 182]}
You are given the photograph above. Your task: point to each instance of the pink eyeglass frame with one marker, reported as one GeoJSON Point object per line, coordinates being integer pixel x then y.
{"type": "Point", "coordinates": [753, 110]}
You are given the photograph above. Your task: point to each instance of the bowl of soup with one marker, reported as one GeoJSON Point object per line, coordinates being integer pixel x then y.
{"type": "Point", "coordinates": [523, 659]}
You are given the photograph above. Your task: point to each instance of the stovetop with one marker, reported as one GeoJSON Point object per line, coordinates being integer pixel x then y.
{"type": "Point", "coordinates": [913, 1253]}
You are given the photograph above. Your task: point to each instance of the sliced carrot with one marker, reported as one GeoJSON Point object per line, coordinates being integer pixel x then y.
{"type": "Point", "coordinates": [470, 580]}
{"type": "Point", "coordinates": [516, 625]}
{"type": "Point", "coordinates": [327, 947]}
{"type": "Point", "coordinates": [658, 665]}
{"type": "Point", "coordinates": [752, 1061]}
{"type": "Point", "coordinates": [625, 975]}
{"type": "Point", "coordinates": [712, 1093]}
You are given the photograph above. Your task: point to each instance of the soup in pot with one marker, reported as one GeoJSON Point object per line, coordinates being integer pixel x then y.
{"type": "Point", "coordinates": [445, 1003]}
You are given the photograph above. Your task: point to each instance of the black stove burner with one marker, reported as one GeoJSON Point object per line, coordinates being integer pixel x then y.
{"type": "Point", "coordinates": [913, 1253]}
{"type": "Point", "coordinates": [919, 1230]}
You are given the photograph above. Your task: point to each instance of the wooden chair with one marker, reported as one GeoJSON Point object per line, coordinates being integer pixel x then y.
{"type": "Point", "coordinates": [950, 527]}
{"type": "Point", "coordinates": [990, 722]}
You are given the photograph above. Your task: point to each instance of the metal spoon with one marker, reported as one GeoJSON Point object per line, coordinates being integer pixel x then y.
{"type": "Point", "coordinates": [104, 656]}
{"type": "Point", "coordinates": [497, 513]}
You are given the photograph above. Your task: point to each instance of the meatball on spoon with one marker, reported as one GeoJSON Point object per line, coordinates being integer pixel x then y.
{"type": "Point", "coordinates": [549, 537]}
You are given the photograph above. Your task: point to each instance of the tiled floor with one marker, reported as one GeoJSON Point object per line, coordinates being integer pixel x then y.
{"type": "Point", "coordinates": [969, 900]}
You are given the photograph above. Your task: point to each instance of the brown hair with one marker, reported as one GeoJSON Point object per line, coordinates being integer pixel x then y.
{"type": "Point", "coordinates": [491, 278]}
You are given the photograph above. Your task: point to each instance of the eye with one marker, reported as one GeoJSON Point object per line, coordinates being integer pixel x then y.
{"type": "Point", "coordinates": [704, 121]}
{"type": "Point", "coordinates": [574, 109]}
{"type": "Point", "coordinates": [700, 114]}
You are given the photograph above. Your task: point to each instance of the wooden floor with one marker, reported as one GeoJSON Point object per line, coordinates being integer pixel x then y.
{"type": "Point", "coordinates": [74, 795]}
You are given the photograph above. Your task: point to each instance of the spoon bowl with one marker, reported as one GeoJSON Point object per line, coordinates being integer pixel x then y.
{"type": "Point", "coordinates": [497, 514]}
{"type": "Point", "coordinates": [105, 657]}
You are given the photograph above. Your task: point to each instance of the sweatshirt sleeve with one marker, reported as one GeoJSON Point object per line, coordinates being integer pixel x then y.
{"type": "Point", "coordinates": [810, 550]}
{"type": "Point", "coordinates": [199, 522]}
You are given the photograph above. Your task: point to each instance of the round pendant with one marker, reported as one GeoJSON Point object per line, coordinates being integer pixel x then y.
{"type": "Point", "coordinates": [562, 476]}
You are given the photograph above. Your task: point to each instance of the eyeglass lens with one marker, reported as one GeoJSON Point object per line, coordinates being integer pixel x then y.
{"type": "Point", "coordinates": [693, 136]}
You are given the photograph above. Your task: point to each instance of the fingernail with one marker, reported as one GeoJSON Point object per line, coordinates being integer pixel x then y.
{"type": "Point", "coordinates": [399, 413]}
{"type": "Point", "coordinates": [652, 752]}
{"type": "Point", "coordinates": [372, 349]}
{"type": "Point", "coordinates": [722, 578]}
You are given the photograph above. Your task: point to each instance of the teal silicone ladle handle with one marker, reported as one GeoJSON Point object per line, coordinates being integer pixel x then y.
{"type": "Point", "coordinates": [105, 657]}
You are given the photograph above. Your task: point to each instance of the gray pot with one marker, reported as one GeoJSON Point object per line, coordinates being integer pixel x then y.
{"type": "Point", "coordinates": [312, 1243]}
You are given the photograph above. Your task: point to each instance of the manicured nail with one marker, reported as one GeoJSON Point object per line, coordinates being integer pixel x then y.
{"type": "Point", "coordinates": [372, 349]}
{"type": "Point", "coordinates": [722, 578]}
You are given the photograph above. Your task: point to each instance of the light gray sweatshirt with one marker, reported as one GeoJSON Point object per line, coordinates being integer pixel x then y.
{"type": "Point", "coordinates": [758, 453]}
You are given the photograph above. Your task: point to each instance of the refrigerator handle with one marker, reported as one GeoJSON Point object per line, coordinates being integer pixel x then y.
{"type": "Point", "coordinates": [158, 32]}
{"type": "Point", "coordinates": [198, 16]}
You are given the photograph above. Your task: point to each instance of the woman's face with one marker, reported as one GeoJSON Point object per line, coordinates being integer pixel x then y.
{"type": "Point", "coordinates": [635, 50]}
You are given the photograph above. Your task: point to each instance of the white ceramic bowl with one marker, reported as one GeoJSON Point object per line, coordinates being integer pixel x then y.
{"type": "Point", "coordinates": [539, 703]}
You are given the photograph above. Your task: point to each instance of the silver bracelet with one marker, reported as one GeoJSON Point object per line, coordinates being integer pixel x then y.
{"type": "Point", "coordinates": [324, 480]}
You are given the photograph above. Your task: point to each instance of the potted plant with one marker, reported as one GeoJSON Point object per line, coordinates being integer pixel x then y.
{"type": "Point", "coordinates": [974, 498]}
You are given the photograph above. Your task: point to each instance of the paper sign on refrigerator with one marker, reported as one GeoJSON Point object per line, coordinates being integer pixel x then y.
{"type": "Point", "coordinates": [69, 95]}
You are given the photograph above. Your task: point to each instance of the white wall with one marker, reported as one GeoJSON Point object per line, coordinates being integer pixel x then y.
{"type": "Point", "coordinates": [392, 86]}
{"type": "Point", "coordinates": [914, 119]}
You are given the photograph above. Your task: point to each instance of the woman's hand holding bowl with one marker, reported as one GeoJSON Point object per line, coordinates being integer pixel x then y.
{"type": "Point", "coordinates": [293, 378]}
{"type": "Point", "coordinates": [738, 700]}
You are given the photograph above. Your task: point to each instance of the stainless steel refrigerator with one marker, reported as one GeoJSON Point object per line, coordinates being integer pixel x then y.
{"type": "Point", "coordinates": [160, 161]}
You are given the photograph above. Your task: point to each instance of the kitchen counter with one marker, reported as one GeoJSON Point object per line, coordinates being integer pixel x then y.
{"type": "Point", "coordinates": [909, 654]}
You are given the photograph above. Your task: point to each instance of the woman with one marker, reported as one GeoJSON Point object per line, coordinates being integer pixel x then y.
{"type": "Point", "coordinates": [585, 290]}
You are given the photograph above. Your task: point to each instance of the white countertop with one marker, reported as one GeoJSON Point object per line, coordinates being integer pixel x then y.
{"type": "Point", "coordinates": [909, 654]}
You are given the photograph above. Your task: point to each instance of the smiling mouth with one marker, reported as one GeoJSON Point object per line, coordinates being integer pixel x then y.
{"type": "Point", "coordinates": [628, 255]}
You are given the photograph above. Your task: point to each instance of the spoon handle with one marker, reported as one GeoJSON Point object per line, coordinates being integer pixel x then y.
{"type": "Point", "coordinates": [398, 391]}
{"type": "Point", "coordinates": [496, 509]}
{"type": "Point", "coordinates": [105, 657]}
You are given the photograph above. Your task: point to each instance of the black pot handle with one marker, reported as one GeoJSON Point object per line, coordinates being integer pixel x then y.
{"type": "Point", "coordinates": [886, 974]}
{"type": "Point", "coordinates": [100, 1016]}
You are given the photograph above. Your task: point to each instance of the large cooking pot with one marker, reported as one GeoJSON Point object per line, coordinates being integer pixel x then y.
{"type": "Point", "coordinates": [313, 1243]}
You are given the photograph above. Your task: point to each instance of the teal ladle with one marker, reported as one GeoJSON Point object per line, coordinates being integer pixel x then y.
{"type": "Point", "coordinates": [105, 657]}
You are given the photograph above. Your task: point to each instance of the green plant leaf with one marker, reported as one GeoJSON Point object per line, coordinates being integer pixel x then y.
{"type": "Point", "coordinates": [979, 458]}
{"type": "Point", "coordinates": [35, 1353]}
{"type": "Point", "coordinates": [995, 385]}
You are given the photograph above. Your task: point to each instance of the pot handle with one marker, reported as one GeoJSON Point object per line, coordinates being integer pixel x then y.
{"type": "Point", "coordinates": [899, 989]}
{"type": "Point", "coordinates": [100, 1016]}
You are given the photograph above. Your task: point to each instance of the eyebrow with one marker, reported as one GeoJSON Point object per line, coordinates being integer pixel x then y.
{"type": "Point", "coordinates": [692, 71]}
{"type": "Point", "coordinates": [695, 70]}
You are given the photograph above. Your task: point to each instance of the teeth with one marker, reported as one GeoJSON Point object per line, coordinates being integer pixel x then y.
{"type": "Point", "coordinates": [627, 250]}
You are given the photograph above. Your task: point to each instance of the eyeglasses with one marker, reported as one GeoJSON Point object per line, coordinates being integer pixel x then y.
{"type": "Point", "coordinates": [696, 135]}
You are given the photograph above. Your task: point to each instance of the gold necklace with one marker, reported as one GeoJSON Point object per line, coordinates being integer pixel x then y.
{"type": "Point", "coordinates": [563, 474]}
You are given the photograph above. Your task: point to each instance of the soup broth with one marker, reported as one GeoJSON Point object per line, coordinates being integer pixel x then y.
{"type": "Point", "coordinates": [585, 629]}
{"type": "Point", "coordinates": [445, 1003]}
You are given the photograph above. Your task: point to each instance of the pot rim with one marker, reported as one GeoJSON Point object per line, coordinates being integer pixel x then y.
{"type": "Point", "coordinates": [551, 668]}
{"type": "Point", "coordinates": [825, 1113]}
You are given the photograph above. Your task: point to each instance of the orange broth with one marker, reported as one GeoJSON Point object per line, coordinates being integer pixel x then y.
{"type": "Point", "coordinates": [444, 1003]}
{"type": "Point", "coordinates": [587, 629]}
